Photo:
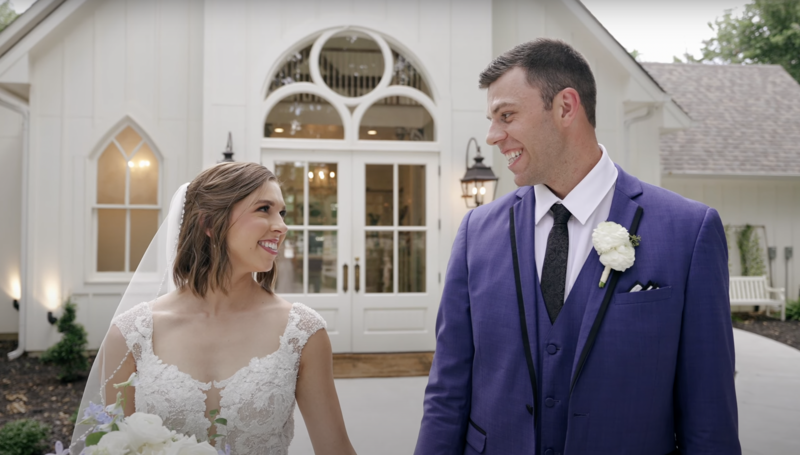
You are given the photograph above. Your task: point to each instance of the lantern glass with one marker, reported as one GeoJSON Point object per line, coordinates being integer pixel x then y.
{"type": "Point", "coordinates": [478, 192]}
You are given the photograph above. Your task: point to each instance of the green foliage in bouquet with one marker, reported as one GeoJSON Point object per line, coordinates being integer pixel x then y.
{"type": "Point", "coordinates": [750, 252]}
{"type": "Point", "coordinates": [69, 353]}
{"type": "Point", "coordinates": [23, 437]}
{"type": "Point", "coordinates": [793, 310]}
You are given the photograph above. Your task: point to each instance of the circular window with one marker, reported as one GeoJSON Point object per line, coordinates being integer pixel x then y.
{"type": "Point", "coordinates": [304, 116]}
{"type": "Point", "coordinates": [396, 118]}
{"type": "Point", "coordinates": [351, 64]}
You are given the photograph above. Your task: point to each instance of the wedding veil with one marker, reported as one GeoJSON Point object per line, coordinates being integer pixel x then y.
{"type": "Point", "coordinates": [152, 279]}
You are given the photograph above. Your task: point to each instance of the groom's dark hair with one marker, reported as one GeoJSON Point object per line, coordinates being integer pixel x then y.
{"type": "Point", "coordinates": [552, 66]}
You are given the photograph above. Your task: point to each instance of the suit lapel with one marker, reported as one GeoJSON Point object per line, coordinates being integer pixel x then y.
{"type": "Point", "coordinates": [522, 254]}
{"type": "Point", "coordinates": [623, 211]}
{"type": "Point", "coordinates": [524, 216]}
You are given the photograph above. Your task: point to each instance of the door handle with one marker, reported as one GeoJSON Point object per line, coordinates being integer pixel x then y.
{"type": "Point", "coordinates": [358, 276]}
{"type": "Point", "coordinates": [344, 285]}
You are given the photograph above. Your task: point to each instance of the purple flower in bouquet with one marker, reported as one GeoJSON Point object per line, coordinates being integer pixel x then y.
{"type": "Point", "coordinates": [60, 450]}
{"type": "Point", "coordinates": [96, 412]}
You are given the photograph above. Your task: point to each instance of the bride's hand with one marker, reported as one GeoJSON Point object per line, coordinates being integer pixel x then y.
{"type": "Point", "coordinates": [317, 398]}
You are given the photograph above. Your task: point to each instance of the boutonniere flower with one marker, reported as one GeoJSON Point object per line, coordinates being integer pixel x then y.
{"type": "Point", "coordinates": [615, 246]}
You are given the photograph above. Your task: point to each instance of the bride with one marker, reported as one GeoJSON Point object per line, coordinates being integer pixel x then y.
{"type": "Point", "coordinates": [222, 339]}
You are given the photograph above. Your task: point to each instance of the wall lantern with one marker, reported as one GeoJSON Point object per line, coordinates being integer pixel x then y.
{"type": "Point", "coordinates": [479, 184]}
{"type": "Point", "coordinates": [228, 153]}
{"type": "Point", "coordinates": [51, 319]}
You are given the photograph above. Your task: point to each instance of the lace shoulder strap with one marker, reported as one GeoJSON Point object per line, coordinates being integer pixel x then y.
{"type": "Point", "coordinates": [136, 326]}
{"type": "Point", "coordinates": [303, 322]}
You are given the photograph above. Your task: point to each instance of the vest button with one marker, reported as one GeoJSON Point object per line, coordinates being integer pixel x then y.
{"type": "Point", "coordinates": [549, 402]}
{"type": "Point", "coordinates": [551, 349]}
{"type": "Point", "coordinates": [548, 452]}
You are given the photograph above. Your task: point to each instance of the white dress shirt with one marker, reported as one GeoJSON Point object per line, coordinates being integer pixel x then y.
{"type": "Point", "coordinates": [589, 203]}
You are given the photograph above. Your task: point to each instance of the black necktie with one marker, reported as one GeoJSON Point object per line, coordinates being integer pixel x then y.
{"type": "Point", "coordinates": [554, 271]}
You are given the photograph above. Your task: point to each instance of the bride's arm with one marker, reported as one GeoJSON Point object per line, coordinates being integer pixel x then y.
{"type": "Point", "coordinates": [111, 356]}
{"type": "Point", "coordinates": [317, 399]}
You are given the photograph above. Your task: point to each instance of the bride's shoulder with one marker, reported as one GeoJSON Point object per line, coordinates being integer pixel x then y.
{"type": "Point", "coordinates": [131, 314]}
{"type": "Point", "coordinates": [308, 320]}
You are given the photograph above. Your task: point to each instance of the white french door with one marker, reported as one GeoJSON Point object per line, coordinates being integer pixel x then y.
{"type": "Point", "coordinates": [362, 244]}
{"type": "Point", "coordinates": [395, 239]}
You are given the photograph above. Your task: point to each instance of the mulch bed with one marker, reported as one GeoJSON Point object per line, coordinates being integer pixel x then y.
{"type": "Point", "coordinates": [787, 332]}
{"type": "Point", "coordinates": [30, 390]}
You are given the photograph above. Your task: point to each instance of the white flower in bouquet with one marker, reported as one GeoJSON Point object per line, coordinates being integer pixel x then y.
{"type": "Point", "coordinates": [615, 246]}
{"type": "Point", "coordinates": [113, 443]}
{"type": "Point", "coordinates": [145, 429]}
{"type": "Point", "coordinates": [138, 434]}
{"type": "Point", "coordinates": [190, 446]}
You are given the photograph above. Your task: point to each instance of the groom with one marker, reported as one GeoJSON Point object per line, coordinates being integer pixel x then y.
{"type": "Point", "coordinates": [533, 356]}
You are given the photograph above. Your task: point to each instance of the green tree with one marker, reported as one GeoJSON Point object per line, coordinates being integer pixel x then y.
{"type": "Point", "coordinates": [7, 14]}
{"type": "Point", "coordinates": [767, 32]}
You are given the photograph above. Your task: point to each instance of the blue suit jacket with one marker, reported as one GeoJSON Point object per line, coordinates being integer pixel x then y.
{"type": "Point", "coordinates": [658, 372]}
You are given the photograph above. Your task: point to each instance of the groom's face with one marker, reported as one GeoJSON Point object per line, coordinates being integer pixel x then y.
{"type": "Point", "coordinates": [521, 127]}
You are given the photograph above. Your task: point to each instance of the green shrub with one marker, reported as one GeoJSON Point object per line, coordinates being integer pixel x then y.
{"type": "Point", "coordinates": [750, 252]}
{"type": "Point", "coordinates": [793, 310]}
{"type": "Point", "coordinates": [23, 437]}
{"type": "Point", "coordinates": [69, 353]}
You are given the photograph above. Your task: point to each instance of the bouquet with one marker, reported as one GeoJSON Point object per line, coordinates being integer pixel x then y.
{"type": "Point", "coordinates": [137, 434]}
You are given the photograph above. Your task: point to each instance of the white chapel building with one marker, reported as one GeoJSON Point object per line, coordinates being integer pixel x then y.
{"type": "Point", "coordinates": [364, 109]}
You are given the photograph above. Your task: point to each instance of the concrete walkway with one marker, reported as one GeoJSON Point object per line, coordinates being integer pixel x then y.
{"type": "Point", "coordinates": [383, 415]}
{"type": "Point", "coordinates": [768, 392]}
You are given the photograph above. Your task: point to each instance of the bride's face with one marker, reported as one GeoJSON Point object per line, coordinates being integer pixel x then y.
{"type": "Point", "coordinates": [257, 229]}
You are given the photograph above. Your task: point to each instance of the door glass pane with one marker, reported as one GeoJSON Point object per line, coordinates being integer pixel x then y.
{"type": "Point", "coordinates": [290, 264]}
{"type": "Point", "coordinates": [322, 262]}
{"type": "Point", "coordinates": [144, 224]}
{"type": "Point", "coordinates": [304, 116]}
{"type": "Point", "coordinates": [111, 176]}
{"type": "Point", "coordinates": [379, 200]}
{"type": "Point", "coordinates": [380, 261]}
{"type": "Point", "coordinates": [351, 64]}
{"type": "Point", "coordinates": [291, 175]}
{"type": "Point", "coordinates": [411, 261]}
{"type": "Point", "coordinates": [396, 118]}
{"type": "Point", "coordinates": [322, 203]}
{"type": "Point", "coordinates": [110, 240]}
{"type": "Point", "coordinates": [144, 177]}
{"type": "Point", "coordinates": [411, 186]}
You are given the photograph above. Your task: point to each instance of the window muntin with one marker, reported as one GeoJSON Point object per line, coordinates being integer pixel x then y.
{"type": "Point", "coordinates": [349, 65]}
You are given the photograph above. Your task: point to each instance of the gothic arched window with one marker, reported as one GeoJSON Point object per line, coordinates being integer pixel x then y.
{"type": "Point", "coordinates": [126, 210]}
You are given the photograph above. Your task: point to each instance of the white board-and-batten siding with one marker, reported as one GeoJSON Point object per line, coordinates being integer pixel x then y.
{"type": "Point", "coordinates": [772, 202]}
{"type": "Point", "coordinates": [111, 63]}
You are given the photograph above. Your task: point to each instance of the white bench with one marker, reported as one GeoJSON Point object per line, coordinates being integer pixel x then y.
{"type": "Point", "coordinates": [755, 290]}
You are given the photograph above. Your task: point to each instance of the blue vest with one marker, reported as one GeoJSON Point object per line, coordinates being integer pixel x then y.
{"type": "Point", "coordinates": [556, 351]}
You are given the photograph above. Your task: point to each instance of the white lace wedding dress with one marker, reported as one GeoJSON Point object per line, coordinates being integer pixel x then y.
{"type": "Point", "coordinates": [257, 401]}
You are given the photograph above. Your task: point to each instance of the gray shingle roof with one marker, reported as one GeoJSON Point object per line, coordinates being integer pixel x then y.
{"type": "Point", "coordinates": [747, 119]}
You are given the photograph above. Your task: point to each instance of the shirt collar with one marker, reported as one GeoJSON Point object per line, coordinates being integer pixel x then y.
{"type": "Point", "coordinates": [583, 200]}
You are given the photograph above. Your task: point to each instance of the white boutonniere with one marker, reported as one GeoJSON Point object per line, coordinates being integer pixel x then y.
{"type": "Point", "coordinates": [615, 246]}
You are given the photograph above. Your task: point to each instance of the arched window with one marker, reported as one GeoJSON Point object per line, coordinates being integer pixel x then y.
{"type": "Point", "coordinates": [317, 90]}
{"type": "Point", "coordinates": [127, 207]}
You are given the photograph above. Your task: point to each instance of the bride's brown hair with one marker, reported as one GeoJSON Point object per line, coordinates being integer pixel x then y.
{"type": "Point", "coordinates": [202, 262]}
